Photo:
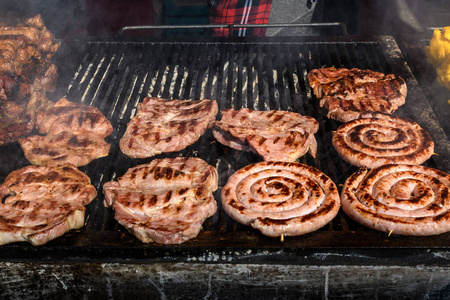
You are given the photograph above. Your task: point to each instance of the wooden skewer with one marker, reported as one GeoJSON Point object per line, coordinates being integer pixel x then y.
{"type": "Point", "coordinates": [282, 238]}
{"type": "Point", "coordinates": [390, 232]}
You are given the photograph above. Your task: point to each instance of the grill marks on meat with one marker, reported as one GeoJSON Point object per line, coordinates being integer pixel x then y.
{"type": "Point", "coordinates": [64, 147]}
{"type": "Point", "coordinates": [378, 139]}
{"type": "Point", "coordinates": [40, 204]}
{"type": "Point", "coordinates": [275, 135]}
{"type": "Point", "coordinates": [281, 198]}
{"type": "Point", "coordinates": [166, 200]}
{"type": "Point", "coordinates": [346, 93]}
{"type": "Point", "coordinates": [163, 125]}
{"type": "Point", "coordinates": [75, 135]}
{"type": "Point", "coordinates": [73, 117]}
{"type": "Point", "coordinates": [400, 199]}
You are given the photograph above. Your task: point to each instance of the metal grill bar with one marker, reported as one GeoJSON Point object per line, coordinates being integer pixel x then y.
{"type": "Point", "coordinates": [115, 76]}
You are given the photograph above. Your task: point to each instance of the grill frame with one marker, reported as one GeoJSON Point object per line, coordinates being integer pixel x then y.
{"type": "Point", "coordinates": [223, 240]}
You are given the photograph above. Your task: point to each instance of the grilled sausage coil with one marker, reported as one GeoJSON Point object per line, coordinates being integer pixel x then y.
{"type": "Point", "coordinates": [400, 199]}
{"type": "Point", "coordinates": [281, 198]}
{"type": "Point", "coordinates": [378, 139]}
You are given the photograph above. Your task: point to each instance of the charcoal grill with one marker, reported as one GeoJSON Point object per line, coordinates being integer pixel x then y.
{"type": "Point", "coordinates": [115, 75]}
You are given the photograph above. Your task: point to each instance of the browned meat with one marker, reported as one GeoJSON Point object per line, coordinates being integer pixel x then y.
{"type": "Point", "coordinates": [346, 93]}
{"type": "Point", "coordinates": [163, 125]}
{"type": "Point", "coordinates": [37, 103]}
{"type": "Point", "coordinates": [30, 33]}
{"type": "Point", "coordinates": [345, 110]}
{"type": "Point", "coordinates": [166, 200]}
{"type": "Point", "coordinates": [40, 204]}
{"type": "Point", "coordinates": [17, 121]}
{"type": "Point", "coordinates": [377, 139]}
{"type": "Point", "coordinates": [35, 21]}
{"type": "Point", "coordinates": [8, 86]}
{"type": "Point", "coordinates": [26, 50]}
{"type": "Point", "coordinates": [47, 78]}
{"type": "Point", "coordinates": [14, 122]}
{"type": "Point", "coordinates": [73, 117]}
{"type": "Point", "coordinates": [275, 135]}
{"type": "Point", "coordinates": [75, 134]}
{"type": "Point", "coordinates": [63, 148]}
{"type": "Point", "coordinates": [281, 198]}
{"type": "Point", "coordinates": [399, 199]}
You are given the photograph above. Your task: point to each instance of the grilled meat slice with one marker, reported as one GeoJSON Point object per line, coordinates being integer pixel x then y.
{"type": "Point", "coordinates": [165, 201]}
{"type": "Point", "coordinates": [346, 93]}
{"type": "Point", "coordinates": [275, 135]}
{"type": "Point", "coordinates": [73, 117]}
{"type": "Point", "coordinates": [75, 134]}
{"type": "Point", "coordinates": [346, 110]}
{"type": "Point", "coordinates": [163, 125]}
{"type": "Point", "coordinates": [281, 198]}
{"type": "Point", "coordinates": [283, 146]}
{"type": "Point", "coordinates": [40, 204]}
{"type": "Point", "coordinates": [63, 148]}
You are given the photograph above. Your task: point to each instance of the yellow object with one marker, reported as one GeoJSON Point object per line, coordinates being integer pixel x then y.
{"type": "Point", "coordinates": [439, 46]}
{"type": "Point", "coordinates": [443, 72]}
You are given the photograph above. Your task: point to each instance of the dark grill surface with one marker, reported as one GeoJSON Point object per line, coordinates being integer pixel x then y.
{"type": "Point", "coordinates": [116, 75]}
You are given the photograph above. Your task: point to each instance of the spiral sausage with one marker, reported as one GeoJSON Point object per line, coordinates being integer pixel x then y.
{"type": "Point", "coordinates": [401, 199]}
{"type": "Point", "coordinates": [281, 198]}
{"type": "Point", "coordinates": [379, 139]}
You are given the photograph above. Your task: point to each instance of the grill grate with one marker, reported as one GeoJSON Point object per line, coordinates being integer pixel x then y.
{"type": "Point", "coordinates": [115, 76]}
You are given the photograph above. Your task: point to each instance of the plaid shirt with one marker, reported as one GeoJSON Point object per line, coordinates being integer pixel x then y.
{"type": "Point", "coordinates": [239, 12]}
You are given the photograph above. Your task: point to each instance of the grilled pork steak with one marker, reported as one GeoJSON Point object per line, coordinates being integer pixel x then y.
{"type": "Point", "coordinates": [275, 135]}
{"type": "Point", "coordinates": [399, 199]}
{"type": "Point", "coordinates": [166, 200]}
{"type": "Point", "coordinates": [40, 204]}
{"type": "Point", "coordinates": [73, 117]}
{"type": "Point", "coordinates": [377, 139]}
{"type": "Point", "coordinates": [281, 198]}
{"type": "Point", "coordinates": [63, 148]}
{"type": "Point", "coordinates": [163, 125]}
{"type": "Point", "coordinates": [75, 134]}
{"type": "Point", "coordinates": [346, 93]}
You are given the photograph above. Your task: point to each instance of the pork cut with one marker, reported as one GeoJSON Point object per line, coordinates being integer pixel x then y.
{"type": "Point", "coordinates": [399, 199]}
{"type": "Point", "coordinates": [346, 93]}
{"type": "Point", "coordinates": [377, 139]}
{"type": "Point", "coordinates": [75, 133]}
{"type": "Point", "coordinates": [275, 135]}
{"type": "Point", "coordinates": [163, 125]}
{"type": "Point", "coordinates": [165, 201]}
{"type": "Point", "coordinates": [73, 117]}
{"type": "Point", "coordinates": [281, 198]}
{"type": "Point", "coordinates": [40, 204]}
{"type": "Point", "coordinates": [63, 148]}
